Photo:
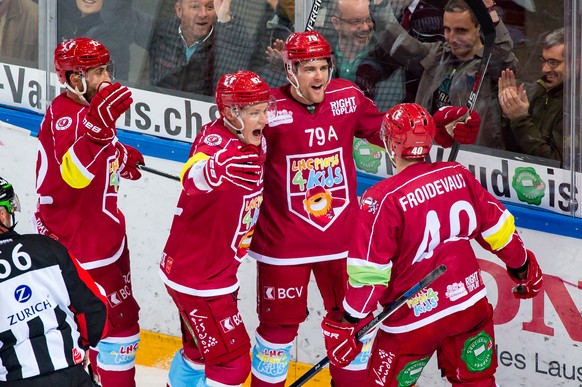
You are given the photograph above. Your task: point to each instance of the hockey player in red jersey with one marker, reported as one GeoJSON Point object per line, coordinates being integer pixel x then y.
{"type": "Point", "coordinates": [423, 217]}
{"type": "Point", "coordinates": [214, 222]}
{"type": "Point", "coordinates": [310, 192]}
{"type": "Point", "coordinates": [79, 167]}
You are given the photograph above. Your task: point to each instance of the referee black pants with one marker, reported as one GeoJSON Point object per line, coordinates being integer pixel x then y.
{"type": "Point", "coordinates": [74, 376]}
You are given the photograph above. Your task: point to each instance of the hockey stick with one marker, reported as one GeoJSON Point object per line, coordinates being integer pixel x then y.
{"type": "Point", "coordinates": [488, 29]}
{"type": "Point", "coordinates": [313, 15]}
{"type": "Point", "coordinates": [156, 172]}
{"type": "Point", "coordinates": [413, 291]}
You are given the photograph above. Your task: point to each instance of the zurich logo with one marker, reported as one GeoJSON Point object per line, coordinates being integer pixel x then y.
{"type": "Point", "coordinates": [22, 293]}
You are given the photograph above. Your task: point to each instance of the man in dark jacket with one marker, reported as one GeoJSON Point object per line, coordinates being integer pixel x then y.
{"type": "Point", "coordinates": [191, 51]}
{"type": "Point", "coordinates": [536, 116]}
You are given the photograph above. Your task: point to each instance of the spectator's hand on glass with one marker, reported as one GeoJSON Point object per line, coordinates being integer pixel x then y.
{"type": "Point", "coordinates": [274, 53]}
{"type": "Point", "coordinates": [222, 9]}
{"type": "Point", "coordinates": [512, 98]}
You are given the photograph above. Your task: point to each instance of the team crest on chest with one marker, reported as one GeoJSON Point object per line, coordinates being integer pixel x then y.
{"type": "Point", "coordinates": [213, 140]}
{"type": "Point", "coordinates": [317, 187]}
{"type": "Point", "coordinates": [63, 123]}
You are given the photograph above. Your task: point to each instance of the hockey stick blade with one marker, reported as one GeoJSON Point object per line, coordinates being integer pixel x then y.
{"type": "Point", "coordinates": [413, 291]}
{"type": "Point", "coordinates": [310, 26]}
{"type": "Point", "coordinates": [156, 172]}
{"type": "Point", "coordinates": [488, 29]}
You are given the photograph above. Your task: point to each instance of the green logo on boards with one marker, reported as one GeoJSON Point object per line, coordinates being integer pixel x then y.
{"type": "Point", "coordinates": [367, 156]}
{"type": "Point", "coordinates": [528, 185]}
{"type": "Point", "coordinates": [411, 372]}
{"type": "Point", "coordinates": [478, 352]}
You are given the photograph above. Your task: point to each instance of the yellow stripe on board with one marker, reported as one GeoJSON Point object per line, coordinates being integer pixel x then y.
{"type": "Point", "coordinates": [157, 350]}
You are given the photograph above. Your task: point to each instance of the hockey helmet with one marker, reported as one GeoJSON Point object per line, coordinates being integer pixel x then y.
{"type": "Point", "coordinates": [407, 131]}
{"type": "Point", "coordinates": [78, 55]}
{"type": "Point", "coordinates": [302, 46]}
{"type": "Point", "coordinates": [8, 199]}
{"type": "Point", "coordinates": [305, 46]}
{"type": "Point", "coordinates": [241, 89]}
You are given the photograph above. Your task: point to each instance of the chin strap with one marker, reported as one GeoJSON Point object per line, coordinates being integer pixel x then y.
{"type": "Point", "coordinates": [390, 153]}
{"type": "Point", "coordinates": [80, 94]}
{"type": "Point", "coordinates": [232, 127]}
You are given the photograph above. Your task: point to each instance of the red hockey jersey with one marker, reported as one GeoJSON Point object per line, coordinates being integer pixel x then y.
{"type": "Point", "coordinates": [310, 175]}
{"type": "Point", "coordinates": [413, 222]}
{"type": "Point", "coordinates": [77, 184]}
{"type": "Point", "coordinates": [212, 230]}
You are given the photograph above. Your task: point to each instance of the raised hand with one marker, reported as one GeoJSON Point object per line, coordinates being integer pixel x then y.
{"type": "Point", "coordinates": [241, 166]}
{"type": "Point", "coordinates": [106, 106]}
{"type": "Point", "coordinates": [455, 123]}
{"type": "Point", "coordinates": [512, 98]}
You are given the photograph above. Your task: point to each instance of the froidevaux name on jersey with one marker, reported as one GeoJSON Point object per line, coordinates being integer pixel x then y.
{"type": "Point", "coordinates": [343, 106]}
{"type": "Point", "coordinates": [431, 190]}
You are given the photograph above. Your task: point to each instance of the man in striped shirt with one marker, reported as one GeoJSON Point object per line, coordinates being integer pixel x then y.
{"type": "Point", "coordinates": [51, 309]}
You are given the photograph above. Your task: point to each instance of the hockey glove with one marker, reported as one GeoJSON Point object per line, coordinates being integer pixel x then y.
{"type": "Point", "coordinates": [530, 283]}
{"type": "Point", "coordinates": [452, 125]}
{"type": "Point", "coordinates": [340, 339]}
{"type": "Point", "coordinates": [129, 159]}
{"type": "Point", "coordinates": [239, 166]}
{"type": "Point", "coordinates": [106, 106]}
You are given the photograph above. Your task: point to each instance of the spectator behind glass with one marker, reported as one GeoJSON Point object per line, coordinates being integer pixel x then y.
{"type": "Point", "coordinates": [19, 30]}
{"type": "Point", "coordinates": [274, 25]}
{"type": "Point", "coordinates": [112, 22]}
{"type": "Point", "coordinates": [449, 68]}
{"type": "Point", "coordinates": [424, 21]}
{"type": "Point", "coordinates": [350, 30]}
{"type": "Point", "coordinates": [536, 122]}
{"type": "Point", "coordinates": [354, 26]}
{"type": "Point", "coordinates": [190, 51]}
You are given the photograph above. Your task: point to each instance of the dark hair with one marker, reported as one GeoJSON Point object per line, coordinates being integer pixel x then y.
{"type": "Point", "coordinates": [461, 6]}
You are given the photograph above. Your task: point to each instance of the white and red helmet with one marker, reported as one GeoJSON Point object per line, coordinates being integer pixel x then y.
{"type": "Point", "coordinates": [241, 89]}
{"type": "Point", "coordinates": [305, 46]}
{"type": "Point", "coordinates": [407, 131]}
{"type": "Point", "coordinates": [78, 55]}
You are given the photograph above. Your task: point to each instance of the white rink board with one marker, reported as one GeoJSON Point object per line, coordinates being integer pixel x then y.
{"type": "Point", "coordinates": [539, 342]}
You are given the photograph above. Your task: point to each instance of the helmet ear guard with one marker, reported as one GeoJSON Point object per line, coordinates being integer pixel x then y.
{"type": "Point", "coordinates": [408, 131]}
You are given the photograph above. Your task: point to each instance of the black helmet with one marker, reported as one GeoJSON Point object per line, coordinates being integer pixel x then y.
{"type": "Point", "coordinates": [8, 200]}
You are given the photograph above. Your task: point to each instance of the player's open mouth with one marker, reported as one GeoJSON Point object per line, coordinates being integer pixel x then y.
{"type": "Point", "coordinates": [257, 132]}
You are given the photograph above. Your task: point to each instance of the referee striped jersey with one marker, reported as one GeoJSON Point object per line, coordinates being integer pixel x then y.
{"type": "Point", "coordinates": [51, 310]}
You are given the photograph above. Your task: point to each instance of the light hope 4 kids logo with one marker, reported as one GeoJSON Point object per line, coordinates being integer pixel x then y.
{"type": "Point", "coordinates": [316, 187]}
